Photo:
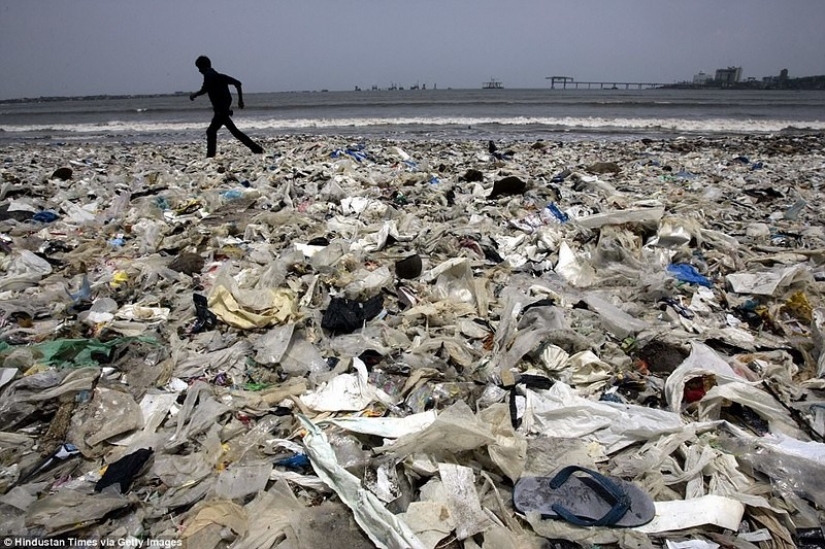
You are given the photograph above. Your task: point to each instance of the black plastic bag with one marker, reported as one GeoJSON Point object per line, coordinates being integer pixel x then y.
{"type": "Point", "coordinates": [206, 318]}
{"type": "Point", "coordinates": [347, 315]}
{"type": "Point", "coordinates": [124, 470]}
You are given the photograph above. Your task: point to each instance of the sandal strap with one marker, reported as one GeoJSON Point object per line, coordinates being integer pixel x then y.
{"type": "Point", "coordinates": [621, 503]}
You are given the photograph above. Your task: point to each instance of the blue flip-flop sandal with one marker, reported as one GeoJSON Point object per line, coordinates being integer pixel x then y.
{"type": "Point", "coordinates": [591, 499]}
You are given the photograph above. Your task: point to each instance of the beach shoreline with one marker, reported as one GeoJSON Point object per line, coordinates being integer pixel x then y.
{"type": "Point", "coordinates": [770, 142]}
{"type": "Point", "coordinates": [512, 115]}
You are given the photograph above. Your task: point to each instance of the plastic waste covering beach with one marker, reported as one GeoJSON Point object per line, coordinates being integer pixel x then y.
{"type": "Point", "coordinates": [415, 343]}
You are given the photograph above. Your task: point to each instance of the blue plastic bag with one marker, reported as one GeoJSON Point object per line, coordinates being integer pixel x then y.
{"type": "Point", "coordinates": [685, 272]}
{"type": "Point", "coordinates": [295, 462]}
{"type": "Point", "coordinates": [46, 216]}
{"type": "Point", "coordinates": [557, 213]}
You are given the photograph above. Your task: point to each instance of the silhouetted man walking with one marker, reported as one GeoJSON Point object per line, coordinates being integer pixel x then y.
{"type": "Point", "coordinates": [216, 85]}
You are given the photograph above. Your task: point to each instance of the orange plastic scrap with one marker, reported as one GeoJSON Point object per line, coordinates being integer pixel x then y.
{"type": "Point", "coordinates": [488, 342]}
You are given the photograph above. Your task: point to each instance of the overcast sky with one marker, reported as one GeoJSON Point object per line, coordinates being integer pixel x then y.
{"type": "Point", "coordinates": [82, 47]}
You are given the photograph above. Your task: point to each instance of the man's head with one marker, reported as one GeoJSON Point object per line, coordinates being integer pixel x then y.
{"type": "Point", "coordinates": [203, 63]}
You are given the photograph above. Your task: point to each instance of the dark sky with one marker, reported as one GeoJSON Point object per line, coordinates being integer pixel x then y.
{"type": "Point", "coordinates": [80, 47]}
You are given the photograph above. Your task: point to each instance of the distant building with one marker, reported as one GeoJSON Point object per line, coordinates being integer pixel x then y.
{"type": "Point", "coordinates": [776, 81]}
{"type": "Point", "coordinates": [701, 78]}
{"type": "Point", "coordinates": [730, 75]}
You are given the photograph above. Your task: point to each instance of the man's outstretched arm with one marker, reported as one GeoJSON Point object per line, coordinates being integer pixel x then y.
{"type": "Point", "coordinates": [193, 95]}
{"type": "Point", "coordinates": [237, 84]}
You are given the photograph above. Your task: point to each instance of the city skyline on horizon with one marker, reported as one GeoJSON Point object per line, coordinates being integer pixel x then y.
{"type": "Point", "coordinates": [94, 47]}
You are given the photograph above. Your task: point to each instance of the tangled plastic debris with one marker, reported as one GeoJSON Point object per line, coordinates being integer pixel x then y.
{"type": "Point", "coordinates": [377, 342]}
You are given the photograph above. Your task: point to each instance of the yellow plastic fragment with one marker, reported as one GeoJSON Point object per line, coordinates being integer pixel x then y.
{"type": "Point", "coordinates": [118, 279]}
{"type": "Point", "coordinates": [799, 307]}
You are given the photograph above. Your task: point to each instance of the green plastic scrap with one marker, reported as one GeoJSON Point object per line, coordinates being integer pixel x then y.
{"type": "Point", "coordinates": [629, 344]}
{"type": "Point", "coordinates": [77, 353]}
{"type": "Point", "coordinates": [255, 386]}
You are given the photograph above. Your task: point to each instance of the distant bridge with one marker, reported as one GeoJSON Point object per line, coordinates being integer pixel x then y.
{"type": "Point", "coordinates": [609, 84]}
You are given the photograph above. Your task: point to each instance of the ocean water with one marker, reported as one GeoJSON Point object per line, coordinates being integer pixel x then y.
{"type": "Point", "coordinates": [549, 114]}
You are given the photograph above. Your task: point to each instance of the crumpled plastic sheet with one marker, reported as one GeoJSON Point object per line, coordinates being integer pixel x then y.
{"type": "Point", "coordinates": [455, 429]}
{"type": "Point", "coordinates": [431, 521]}
{"type": "Point", "coordinates": [69, 510]}
{"type": "Point", "coordinates": [272, 346]}
{"type": "Point", "coordinates": [386, 530]}
{"type": "Point", "coordinates": [190, 423]}
{"type": "Point", "coordinates": [186, 470]}
{"type": "Point", "coordinates": [346, 392]}
{"type": "Point", "coordinates": [614, 319]}
{"type": "Point", "coordinates": [778, 418]}
{"type": "Point", "coordinates": [818, 336]}
{"type": "Point", "coordinates": [557, 529]}
{"type": "Point", "coordinates": [629, 215]}
{"type": "Point", "coordinates": [25, 270]}
{"type": "Point", "coordinates": [385, 427]}
{"type": "Point", "coordinates": [271, 514]}
{"type": "Point", "coordinates": [462, 500]}
{"type": "Point", "coordinates": [702, 361]}
{"type": "Point", "coordinates": [768, 282]}
{"type": "Point", "coordinates": [247, 309]}
{"type": "Point", "coordinates": [615, 426]}
{"type": "Point", "coordinates": [25, 395]}
{"type": "Point", "coordinates": [789, 461]}
{"type": "Point", "coordinates": [240, 481]}
{"type": "Point", "coordinates": [578, 273]}
{"type": "Point", "coordinates": [110, 413]}
{"type": "Point", "coordinates": [204, 529]}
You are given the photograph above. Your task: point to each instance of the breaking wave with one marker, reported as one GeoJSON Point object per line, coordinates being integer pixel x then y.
{"type": "Point", "coordinates": [583, 124]}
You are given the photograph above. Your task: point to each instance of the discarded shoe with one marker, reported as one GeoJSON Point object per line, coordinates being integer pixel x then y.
{"type": "Point", "coordinates": [593, 500]}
